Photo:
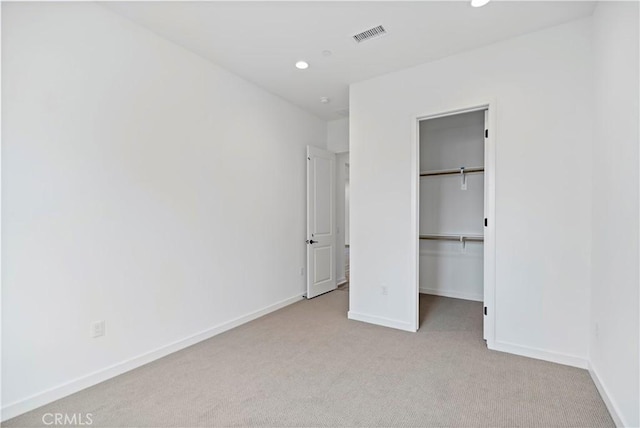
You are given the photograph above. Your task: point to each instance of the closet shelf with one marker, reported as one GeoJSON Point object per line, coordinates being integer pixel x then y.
{"type": "Point", "coordinates": [461, 170]}
{"type": "Point", "coordinates": [458, 238]}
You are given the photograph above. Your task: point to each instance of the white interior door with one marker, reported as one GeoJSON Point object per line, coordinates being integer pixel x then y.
{"type": "Point", "coordinates": [321, 245]}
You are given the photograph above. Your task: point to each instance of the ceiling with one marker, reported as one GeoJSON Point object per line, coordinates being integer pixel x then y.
{"type": "Point", "coordinates": [261, 41]}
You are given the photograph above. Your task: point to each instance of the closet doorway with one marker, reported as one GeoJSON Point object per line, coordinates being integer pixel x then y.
{"type": "Point", "coordinates": [455, 206]}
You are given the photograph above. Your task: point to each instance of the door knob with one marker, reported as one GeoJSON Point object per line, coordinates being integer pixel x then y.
{"type": "Point", "coordinates": [311, 241]}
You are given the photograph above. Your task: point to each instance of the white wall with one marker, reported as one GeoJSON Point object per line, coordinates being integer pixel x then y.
{"type": "Point", "coordinates": [143, 186]}
{"type": "Point", "coordinates": [614, 354]}
{"type": "Point", "coordinates": [338, 135]}
{"type": "Point", "coordinates": [447, 268]}
{"type": "Point", "coordinates": [542, 87]}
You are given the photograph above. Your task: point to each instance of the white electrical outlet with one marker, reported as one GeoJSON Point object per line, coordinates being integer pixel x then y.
{"type": "Point", "coordinates": [384, 290]}
{"type": "Point", "coordinates": [301, 271]}
{"type": "Point", "coordinates": [98, 328]}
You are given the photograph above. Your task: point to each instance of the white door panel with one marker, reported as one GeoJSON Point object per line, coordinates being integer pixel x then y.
{"type": "Point", "coordinates": [320, 221]}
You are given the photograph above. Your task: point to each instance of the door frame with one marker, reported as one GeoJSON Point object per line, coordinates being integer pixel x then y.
{"type": "Point", "coordinates": [342, 166]}
{"type": "Point", "coordinates": [489, 262]}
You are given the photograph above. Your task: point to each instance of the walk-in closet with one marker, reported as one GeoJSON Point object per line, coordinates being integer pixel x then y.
{"type": "Point", "coordinates": [452, 205]}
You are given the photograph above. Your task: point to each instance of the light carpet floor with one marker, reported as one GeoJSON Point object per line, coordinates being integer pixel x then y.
{"type": "Point", "coordinates": [307, 365]}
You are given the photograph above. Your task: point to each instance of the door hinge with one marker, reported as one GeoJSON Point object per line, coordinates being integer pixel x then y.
{"type": "Point", "coordinates": [485, 222]}
{"type": "Point", "coordinates": [486, 133]}
{"type": "Point", "coordinates": [485, 310]}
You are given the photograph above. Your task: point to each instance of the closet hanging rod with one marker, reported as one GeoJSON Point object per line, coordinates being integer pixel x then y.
{"type": "Point", "coordinates": [457, 238]}
{"type": "Point", "coordinates": [452, 171]}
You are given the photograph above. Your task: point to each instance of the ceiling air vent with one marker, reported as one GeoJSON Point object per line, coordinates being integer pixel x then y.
{"type": "Point", "coordinates": [370, 34]}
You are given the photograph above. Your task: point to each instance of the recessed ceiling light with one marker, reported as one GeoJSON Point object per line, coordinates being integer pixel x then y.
{"type": "Point", "coordinates": [325, 100]}
{"type": "Point", "coordinates": [302, 65]}
{"type": "Point", "coordinates": [479, 3]}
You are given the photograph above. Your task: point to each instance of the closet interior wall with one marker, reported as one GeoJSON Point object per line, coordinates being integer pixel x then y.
{"type": "Point", "coordinates": [452, 206]}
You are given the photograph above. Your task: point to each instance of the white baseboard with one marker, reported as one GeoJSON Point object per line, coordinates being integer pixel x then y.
{"type": "Point", "coordinates": [453, 294]}
{"type": "Point", "coordinates": [45, 397]}
{"type": "Point", "coordinates": [385, 322]}
{"type": "Point", "coordinates": [606, 397]}
{"type": "Point", "coordinates": [539, 354]}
